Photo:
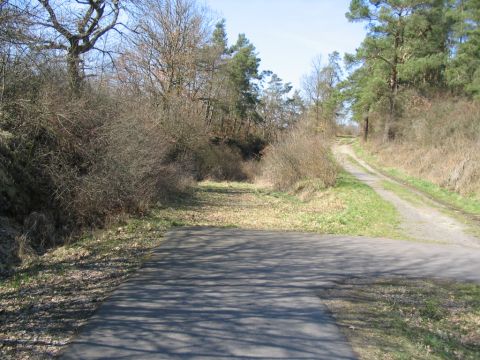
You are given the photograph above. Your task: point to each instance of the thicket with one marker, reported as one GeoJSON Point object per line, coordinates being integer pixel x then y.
{"type": "Point", "coordinates": [300, 157]}
{"type": "Point", "coordinates": [100, 118]}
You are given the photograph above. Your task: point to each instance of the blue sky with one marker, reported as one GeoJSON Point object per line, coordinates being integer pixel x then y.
{"type": "Point", "coordinates": [288, 34]}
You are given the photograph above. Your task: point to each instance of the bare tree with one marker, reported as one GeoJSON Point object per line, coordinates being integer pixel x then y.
{"type": "Point", "coordinates": [312, 88]}
{"type": "Point", "coordinates": [167, 49]}
{"type": "Point", "coordinates": [13, 23]}
{"type": "Point", "coordinates": [74, 27]}
{"type": "Point", "coordinates": [319, 87]}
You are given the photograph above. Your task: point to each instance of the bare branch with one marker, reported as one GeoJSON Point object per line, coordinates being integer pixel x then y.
{"type": "Point", "coordinates": [53, 18]}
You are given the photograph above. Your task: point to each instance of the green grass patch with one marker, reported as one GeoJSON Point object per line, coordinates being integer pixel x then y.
{"type": "Point", "coordinates": [468, 204]}
{"type": "Point", "coordinates": [408, 319]}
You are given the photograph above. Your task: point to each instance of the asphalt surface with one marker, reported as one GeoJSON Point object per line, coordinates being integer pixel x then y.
{"type": "Point", "coordinates": [212, 293]}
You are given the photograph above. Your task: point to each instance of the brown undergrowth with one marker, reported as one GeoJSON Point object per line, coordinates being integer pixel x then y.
{"type": "Point", "coordinates": [437, 140]}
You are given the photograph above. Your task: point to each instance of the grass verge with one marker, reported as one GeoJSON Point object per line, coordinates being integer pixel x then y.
{"type": "Point", "coordinates": [48, 298]}
{"type": "Point", "coordinates": [470, 205]}
{"type": "Point", "coordinates": [350, 207]}
{"type": "Point", "coordinates": [398, 318]}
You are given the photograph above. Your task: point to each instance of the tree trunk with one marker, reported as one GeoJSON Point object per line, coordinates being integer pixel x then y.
{"type": "Point", "coordinates": [389, 121]}
{"type": "Point", "coordinates": [365, 128]}
{"type": "Point", "coordinates": [74, 75]}
{"type": "Point", "coordinates": [4, 66]}
{"type": "Point", "coordinates": [387, 134]}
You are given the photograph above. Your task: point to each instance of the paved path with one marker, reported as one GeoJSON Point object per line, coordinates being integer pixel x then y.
{"type": "Point", "coordinates": [421, 220]}
{"type": "Point", "coordinates": [237, 294]}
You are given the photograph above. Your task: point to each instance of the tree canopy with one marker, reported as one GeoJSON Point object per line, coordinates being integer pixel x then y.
{"type": "Point", "coordinates": [412, 45]}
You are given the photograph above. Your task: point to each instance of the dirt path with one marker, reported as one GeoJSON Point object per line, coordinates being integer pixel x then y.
{"type": "Point", "coordinates": [420, 220]}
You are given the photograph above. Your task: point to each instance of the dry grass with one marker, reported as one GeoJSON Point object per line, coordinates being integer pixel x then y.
{"type": "Point", "coordinates": [466, 205]}
{"type": "Point", "coordinates": [408, 319]}
{"type": "Point", "coordinates": [347, 208]}
{"type": "Point", "coordinates": [455, 168]}
{"type": "Point", "coordinates": [438, 140]}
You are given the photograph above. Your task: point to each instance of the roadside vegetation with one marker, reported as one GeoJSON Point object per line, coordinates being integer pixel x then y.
{"type": "Point", "coordinates": [297, 157]}
{"type": "Point", "coordinates": [398, 318]}
{"type": "Point", "coordinates": [467, 203]}
{"type": "Point", "coordinates": [414, 91]}
{"type": "Point", "coordinates": [98, 121]}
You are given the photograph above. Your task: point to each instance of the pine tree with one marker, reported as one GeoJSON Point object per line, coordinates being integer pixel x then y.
{"type": "Point", "coordinates": [242, 76]}
{"type": "Point", "coordinates": [464, 71]}
{"type": "Point", "coordinates": [407, 46]}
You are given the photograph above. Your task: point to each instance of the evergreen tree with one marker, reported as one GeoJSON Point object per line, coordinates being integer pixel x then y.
{"type": "Point", "coordinates": [243, 76]}
{"type": "Point", "coordinates": [407, 46]}
{"type": "Point", "coordinates": [464, 71]}
{"type": "Point", "coordinates": [219, 37]}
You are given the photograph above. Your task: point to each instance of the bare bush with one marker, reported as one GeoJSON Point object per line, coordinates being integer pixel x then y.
{"type": "Point", "coordinates": [90, 157]}
{"type": "Point", "coordinates": [252, 170]}
{"type": "Point", "coordinates": [9, 232]}
{"type": "Point", "coordinates": [299, 156]}
{"type": "Point", "coordinates": [39, 229]}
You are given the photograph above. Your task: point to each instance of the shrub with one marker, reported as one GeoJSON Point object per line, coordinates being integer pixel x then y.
{"type": "Point", "coordinates": [219, 162]}
{"type": "Point", "coordinates": [82, 160]}
{"type": "Point", "coordinates": [297, 157]}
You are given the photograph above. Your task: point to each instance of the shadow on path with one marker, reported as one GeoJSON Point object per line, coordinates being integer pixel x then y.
{"type": "Point", "coordinates": [238, 294]}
